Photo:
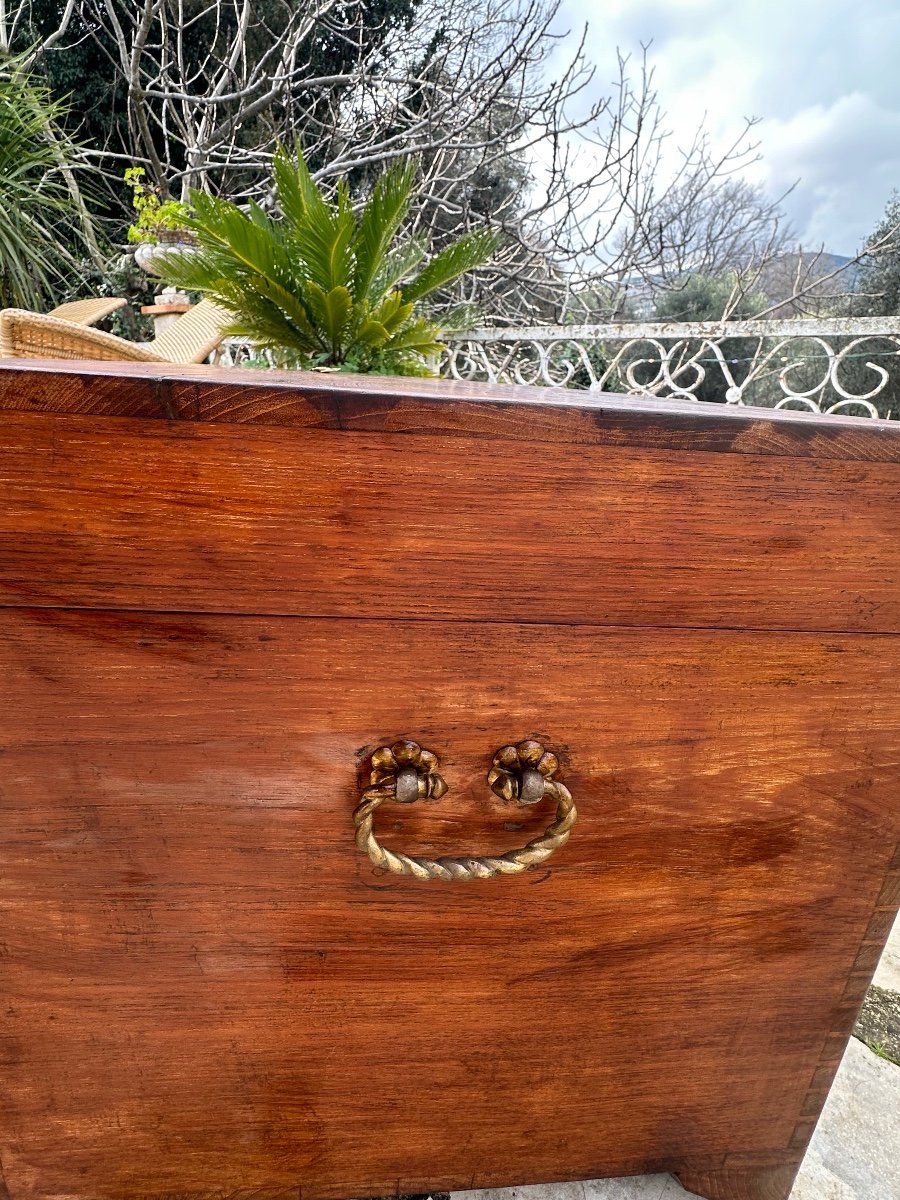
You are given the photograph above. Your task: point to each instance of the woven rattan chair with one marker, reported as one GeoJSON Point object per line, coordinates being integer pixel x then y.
{"type": "Point", "coordinates": [190, 339]}
{"type": "Point", "coordinates": [87, 312]}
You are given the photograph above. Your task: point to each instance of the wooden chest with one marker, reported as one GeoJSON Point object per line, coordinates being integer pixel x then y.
{"type": "Point", "coordinates": [222, 592]}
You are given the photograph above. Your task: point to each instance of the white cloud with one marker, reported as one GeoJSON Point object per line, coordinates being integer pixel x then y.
{"type": "Point", "coordinates": [847, 157]}
{"type": "Point", "coordinates": [822, 79]}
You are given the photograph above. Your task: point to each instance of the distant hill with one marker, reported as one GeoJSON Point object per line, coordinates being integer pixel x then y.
{"type": "Point", "coordinates": [789, 274]}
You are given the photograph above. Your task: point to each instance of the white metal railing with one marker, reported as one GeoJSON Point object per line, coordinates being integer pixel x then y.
{"type": "Point", "coordinates": [823, 364]}
{"type": "Point", "coordinates": [827, 365]}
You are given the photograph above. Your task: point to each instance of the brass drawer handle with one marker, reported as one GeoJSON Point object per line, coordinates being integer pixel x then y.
{"type": "Point", "coordinates": [405, 773]}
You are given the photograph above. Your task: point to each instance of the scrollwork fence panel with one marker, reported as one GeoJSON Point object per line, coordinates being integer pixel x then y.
{"type": "Point", "coordinates": [832, 365]}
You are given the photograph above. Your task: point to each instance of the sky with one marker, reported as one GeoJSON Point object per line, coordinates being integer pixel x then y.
{"type": "Point", "coordinates": [823, 76]}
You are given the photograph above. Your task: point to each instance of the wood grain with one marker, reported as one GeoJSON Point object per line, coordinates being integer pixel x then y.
{"type": "Point", "coordinates": [302, 399]}
{"type": "Point", "coordinates": [762, 1183]}
{"type": "Point", "coordinates": [190, 517]}
{"type": "Point", "coordinates": [219, 591]}
{"type": "Point", "coordinates": [208, 991]}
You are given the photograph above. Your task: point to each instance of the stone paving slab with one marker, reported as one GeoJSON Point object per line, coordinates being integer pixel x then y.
{"type": "Point", "coordinates": [855, 1152]}
{"type": "Point", "coordinates": [888, 973]}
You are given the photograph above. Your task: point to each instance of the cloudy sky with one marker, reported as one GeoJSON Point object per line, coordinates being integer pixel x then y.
{"type": "Point", "coordinates": [823, 77]}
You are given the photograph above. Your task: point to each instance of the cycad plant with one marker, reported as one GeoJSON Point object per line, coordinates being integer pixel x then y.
{"type": "Point", "coordinates": [325, 285]}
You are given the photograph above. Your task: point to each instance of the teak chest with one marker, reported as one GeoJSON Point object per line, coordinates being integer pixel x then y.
{"type": "Point", "coordinates": [221, 593]}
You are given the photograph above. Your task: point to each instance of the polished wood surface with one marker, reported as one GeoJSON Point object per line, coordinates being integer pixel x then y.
{"type": "Point", "coordinates": [206, 627]}
{"type": "Point", "coordinates": [207, 984]}
{"type": "Point", "coordinates": [371, 403]}
{"type": "Point", "coordinates": [195, 517]}
{"type": "Point", "coordinates": [766, 1183]}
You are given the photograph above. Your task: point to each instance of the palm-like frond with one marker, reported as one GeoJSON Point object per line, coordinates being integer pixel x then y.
{"type": "Point", "coordinates": [253, 244]}
{"type": "Point", "coordinates": [35, 204]}
{"type": "Point", "coordinates": [380, 220]}
{"type": "Point", "coordinates": [419, 335]}
{"type": "Point", "coordinates": [331, 312]}
{"type": "Point", "coordinates": [323, 240]}
{"type": "Point", "coordinates": [372, 334]}
{"type": "Point", "coordinates": [393, 311]}
{"type": "Point", "coordinates": [397, 263]}
{"type": "Point", "coordinates": [324, 246]}
{"type": "Point", "coordinates": [463, 255]}
{"type": "Point", "coordinates": [212, 272]}
{"type": "Point", "coordinates": [298, 196]}
{"type": "Point", "coordinates": [320, 285]}
{"type": "Point", "coordinates": [460, 319]}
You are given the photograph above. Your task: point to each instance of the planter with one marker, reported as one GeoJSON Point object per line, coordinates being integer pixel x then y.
{"type": "Point", "coordinates": [223, 597]}
{"type": "Point", "coordinates": [148, 254]}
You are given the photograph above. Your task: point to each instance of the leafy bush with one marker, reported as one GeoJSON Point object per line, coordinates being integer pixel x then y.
{"type": "Point", "coordinates": [153, 213]}
{"type": "Point", "coordinates": [324, 285]}
{"type": "Point", "coordinates": [37, 212]}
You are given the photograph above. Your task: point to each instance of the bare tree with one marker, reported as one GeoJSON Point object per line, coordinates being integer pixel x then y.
{"type": "Point", "coordinates": [711, 224]}
{"type": "Point", "coordinates": [504, 113]}
{"type": "Point", "coordinates": [589, 192]}
{"type": "Point", "coordinates": [17, 30]}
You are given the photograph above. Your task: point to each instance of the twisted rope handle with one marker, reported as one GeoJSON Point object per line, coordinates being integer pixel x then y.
{"type": "Point", "coordinates": [405, 772]}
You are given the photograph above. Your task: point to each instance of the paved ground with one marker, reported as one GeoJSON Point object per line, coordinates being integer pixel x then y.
{"type": "Point", "coordinates": [888, 973]}
{"type": "Point", "coordinates": [854, 1155]}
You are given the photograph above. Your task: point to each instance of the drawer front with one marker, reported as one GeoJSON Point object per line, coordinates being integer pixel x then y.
{"type": "Point", "coordinates": [209, 990]}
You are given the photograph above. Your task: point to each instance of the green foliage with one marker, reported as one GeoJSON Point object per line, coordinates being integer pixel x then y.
{"type": "Point", "coordinates": [36, 208]}
{"type": "Point", "coordinates": [323, 285]}
{"type": "Point", "coordinates": [80, 69]}
{"type": "Point", "coordinates": [79, 72]}
{"type": "Point", "coordinates": [879, 1050]}
{"type": "Point", "coordinates": [709, 298]}
{"type": "Point", "coordinates": [153, 213]}
{"type": "Point", "coordinates": [599, 356]}
{"type": "Point", "coordinates": [84, 69]}
{"type": "Point", "coordinates": [878, 282]}
{"type": "Point", "coordinates": [876, 293]}
{"type": "Point", "coordinates": [804, 363]}
{"type": "Point", "coordinates": [120, 277]}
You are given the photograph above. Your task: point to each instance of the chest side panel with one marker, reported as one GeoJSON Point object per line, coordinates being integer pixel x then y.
{"type": "Point", "coordinates": [204, 980]}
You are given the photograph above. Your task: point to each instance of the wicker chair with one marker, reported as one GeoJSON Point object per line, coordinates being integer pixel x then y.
{"type": "Point", "coordinates": [190, 339]}
{"type": "Point", "coordinates": [87, 312]}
